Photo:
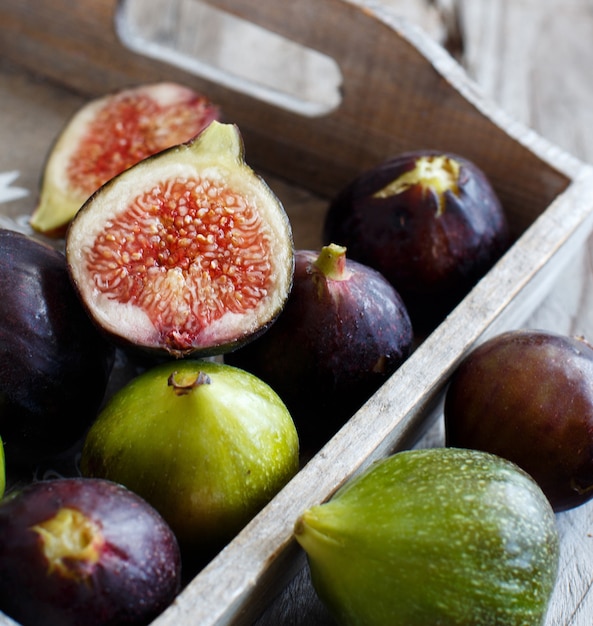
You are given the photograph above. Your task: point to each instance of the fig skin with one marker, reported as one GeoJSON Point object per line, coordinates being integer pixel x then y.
{"type": "Point", "coordinates": [187, 253]}
{"type": "Point", "coordinates": [434, 536]}
{"type": "Point", "coordinates": [114, 560]}
{"type": "Point", "coordinates": [208, 445]}
{"type": "Point", "coordinates": [527, 395]}
{"type": "Point", "coordinates": [109, 134]}
{"type": "Point", "coordinates": [343, 331]}
{"type": "Point", "coordinates": [2, 469]}
{"type": "Point", "coordinates": [54, 363]}
{"type": "Point", "coordinates": [429, 221]}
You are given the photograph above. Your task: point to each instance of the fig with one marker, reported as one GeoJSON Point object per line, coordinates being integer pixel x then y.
{"type": "Point", "coordinates": [189, 252]}
{"type": "Point", "coordinates": [54, 362]}
{"type": "Point", "coordinates": [207, 444]}
{"type": "Point", "coordinates": [2, 469]}
{"type": "Point", "coordinates": [343, 331]}
{"type": "Point", "coordinates": [527, 395]}
{"type": "Point", "coordinates": [434, 536]}
{"type": "Point", "coordinates": [429, 221]}
{"type": "Point", "coordinates": [109, 134]}
{"type": "Point", "coordinates": [82, 551]}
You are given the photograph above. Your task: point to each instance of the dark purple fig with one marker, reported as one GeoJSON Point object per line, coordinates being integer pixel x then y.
{"type": "Point", "coordinates": [85, 551]}
{"type": "Point", "coordinates": [343, 332]}
{"type": "Point", "coordinates": [54, 363]}
{"type": "Point", "coordinates": [430, 222]}
{"type": "Point", "coordinates": [2, 469]}
{"type": "Point", "coordinates": [188, 252]}
{"type": "Point", "coordinates": [527, 396]}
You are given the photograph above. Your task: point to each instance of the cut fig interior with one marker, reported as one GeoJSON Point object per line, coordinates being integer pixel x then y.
{"type": "Point", "coordinates": [187, 252]}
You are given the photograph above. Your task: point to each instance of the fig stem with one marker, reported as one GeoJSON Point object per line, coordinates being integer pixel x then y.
{"type": "Point", "coordinates": [184, 386]}
{"type": "Point", "coordinates": [332, 262]}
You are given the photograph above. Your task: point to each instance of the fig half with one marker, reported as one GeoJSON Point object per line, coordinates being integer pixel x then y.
{"type": "Point", "coordinates": [187, 252]}
{"type": "Point", "coordinates": [108, 135]}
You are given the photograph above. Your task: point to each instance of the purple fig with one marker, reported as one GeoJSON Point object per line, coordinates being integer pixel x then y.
{"type": "Point", "coordinates": [343, 332]}
{"type": "Point", "coordinates": [54, 363]}
{"type": "Point", "coordinates": [430, 222]}
{"type": "Point", "coordinates": [527, 396]}
{"type": "Point", "coordinates": [85, 551]}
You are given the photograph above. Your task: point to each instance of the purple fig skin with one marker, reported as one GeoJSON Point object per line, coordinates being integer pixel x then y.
{"type": "Point", "coordinates": [432, 245]}
{"type": "Point", "coordinates": [54, 363]}
{"type": "Point", "coordinates": [527, 396]}
{"type": "Point", "coordinates": [129, 570]}
{"type": "Point", "coordinates": [334, 344]}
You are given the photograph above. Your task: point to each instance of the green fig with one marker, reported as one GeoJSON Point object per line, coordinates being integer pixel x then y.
{"type": "Point", "coordinates": [206, 444]}
{"type": "Point", "coordinates": [438, 536]}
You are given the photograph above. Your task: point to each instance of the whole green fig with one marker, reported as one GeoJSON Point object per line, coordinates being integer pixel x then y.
{"type": "Point", "coordinates": [438, 536]}
{"type": "Point", "coordinates": [207, 444]}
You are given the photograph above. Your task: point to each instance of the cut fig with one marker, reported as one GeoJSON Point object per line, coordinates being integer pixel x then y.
{"type": "Point", "coordinates": [108, 135]}
{"type": "Point", "coordinates": [187, 252]}
{"type": "Point", "coordinates": [343, 332]}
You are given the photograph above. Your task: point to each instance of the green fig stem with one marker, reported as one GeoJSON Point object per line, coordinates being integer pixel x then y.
{"type": "Point", "coordinates": [332, 262]}
{"type": "Point", "coordinates": [185, 386]}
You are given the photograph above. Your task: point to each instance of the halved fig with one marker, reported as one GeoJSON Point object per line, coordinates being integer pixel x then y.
{"type": "Point", "coordinates": [187, 252]}
{"type": "Point", "coordinates": [108, 135]}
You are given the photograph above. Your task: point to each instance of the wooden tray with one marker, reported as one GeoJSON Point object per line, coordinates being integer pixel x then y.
{"type": "Point", "coordinates": [399, 91]}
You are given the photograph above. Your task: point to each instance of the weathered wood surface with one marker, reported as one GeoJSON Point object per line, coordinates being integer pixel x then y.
{"type": "Point", "coordinates": [532, 57]}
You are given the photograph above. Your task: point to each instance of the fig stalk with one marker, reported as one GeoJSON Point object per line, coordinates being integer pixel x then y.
{"type": "Point", "coordinates": [332, 262]}
{"type": "Point", "coordinates": [184, 386]}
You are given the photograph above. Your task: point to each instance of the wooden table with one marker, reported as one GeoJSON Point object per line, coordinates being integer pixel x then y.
{"type": "Point", "coordinates": [533, 58]}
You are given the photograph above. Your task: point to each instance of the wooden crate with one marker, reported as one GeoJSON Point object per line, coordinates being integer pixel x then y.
{"type": "Point", "coordinates": [399, 91]}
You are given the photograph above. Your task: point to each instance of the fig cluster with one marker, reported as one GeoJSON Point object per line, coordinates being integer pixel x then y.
{"type": "Point", "coordinates": [187, 254]}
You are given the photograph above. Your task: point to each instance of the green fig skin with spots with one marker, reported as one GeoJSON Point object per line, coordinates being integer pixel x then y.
{"type": "Point", "coordinates": [438, 536]}
{"type": "Point", "coordinates": [206, 444]}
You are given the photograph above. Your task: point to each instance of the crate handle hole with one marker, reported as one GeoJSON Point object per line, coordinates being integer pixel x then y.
{"type": "Point", "coordinates": [232, 52]}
